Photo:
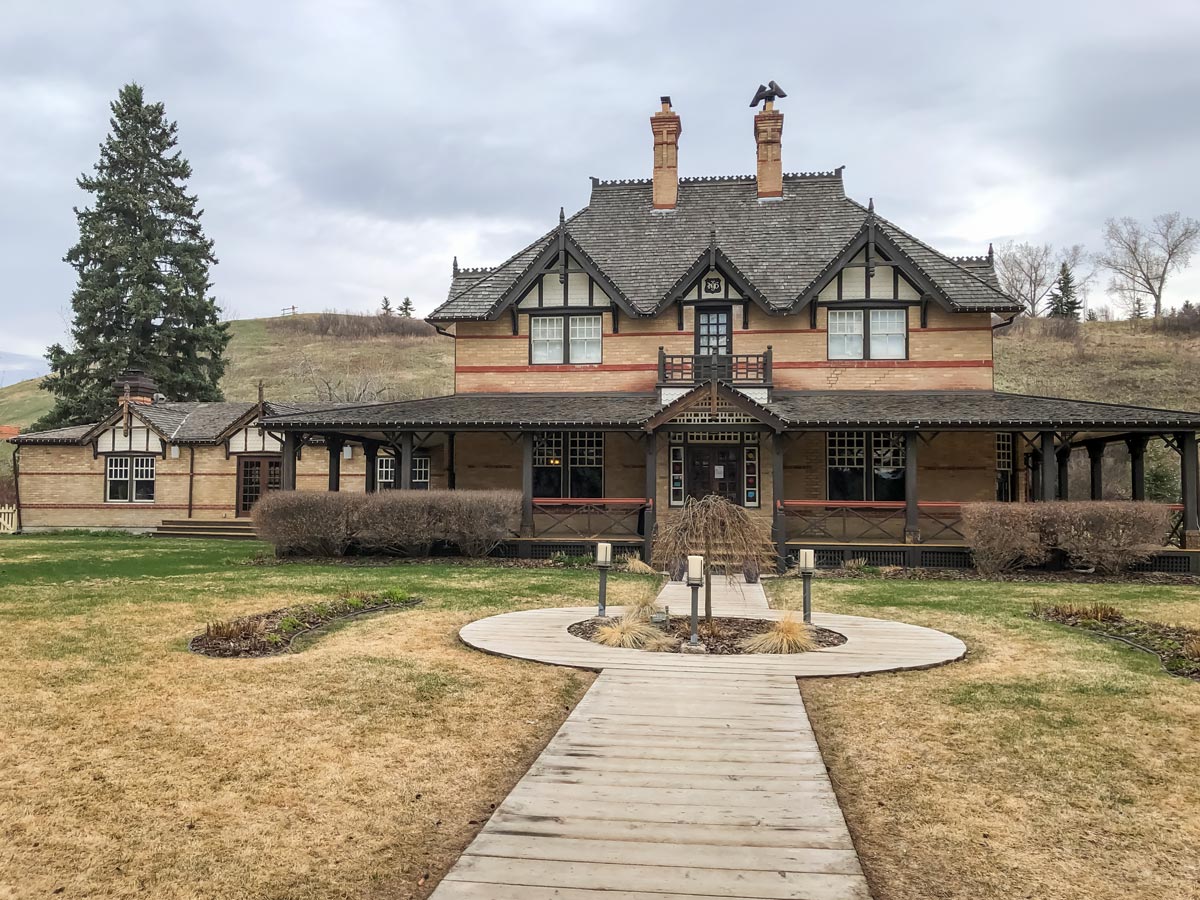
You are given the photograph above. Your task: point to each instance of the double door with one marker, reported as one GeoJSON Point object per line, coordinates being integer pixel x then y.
{"type": "Point", "coordinates": [714, 469]}
{"type": "Point", "coordinates": [256, 476]}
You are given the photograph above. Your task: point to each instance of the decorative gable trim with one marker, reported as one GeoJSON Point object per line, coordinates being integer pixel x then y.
{"type": "Point", "coordinates": [713, 392]}
{"type": "Point", "coordinates": [714, 258]}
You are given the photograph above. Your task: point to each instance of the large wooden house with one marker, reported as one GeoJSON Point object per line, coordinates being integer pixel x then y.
{"type": "Point", "coordinates": [763, 337]}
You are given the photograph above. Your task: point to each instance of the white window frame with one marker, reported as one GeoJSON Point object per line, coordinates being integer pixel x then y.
{"type": "Point", "coordinates": [546, 340]}
{"type": "Point", "coordinates": [844, 324]}
{"type": "Point", "coordinates": [420, 471]}
{"type": "Point", "coordinates": [130, 470]}
{"type": "Point", "coordinates": [385, 472]}
{"type": "Point", "coordinates": [583, 343]}
{"type": "Point", "coordinates": [886, 325]}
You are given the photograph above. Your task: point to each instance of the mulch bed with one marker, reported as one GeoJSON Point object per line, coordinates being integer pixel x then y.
{"type": "Point", "coordinates": [723, 638]}
{"type": "Point", "coordinates": [272, 633]}
{"type": "Point", "coordinates": [1164, 641]}
{"type": "Point", "coordinates": [898, 573]}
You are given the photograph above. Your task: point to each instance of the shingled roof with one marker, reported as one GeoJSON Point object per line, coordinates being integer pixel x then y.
{"type": "Point", "coordinates": [781, 247]}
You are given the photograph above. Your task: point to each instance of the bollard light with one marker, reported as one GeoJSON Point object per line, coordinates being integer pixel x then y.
{"type": "Point", "coordinates": [807, 560]}
{"type": "Point", "coordinates": [695, 578]}
{"type": "Point", "coordinates": [603, 563]}
{"type": "Point", "coordinates": [695, 570]}
{"type": "Point", "coordinates": [603, 554]}
{"type": "Point", "coordinates": [808, 565]}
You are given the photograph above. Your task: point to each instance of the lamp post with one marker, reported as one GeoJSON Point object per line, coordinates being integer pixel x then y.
{"type": "Point", "coordinates": [603, 563]}
{"type": "Point", "coordinates": [808, 564]}
{"type": "Point", "coordinates": [695, 578]}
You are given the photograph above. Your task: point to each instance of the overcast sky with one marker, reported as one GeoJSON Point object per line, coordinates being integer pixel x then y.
{"type": "Point", "coordinates": [344, 151]}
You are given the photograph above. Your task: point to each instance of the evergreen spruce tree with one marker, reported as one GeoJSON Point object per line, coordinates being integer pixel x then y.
{"type": "Point", "coordinates": [406, 308]}
{"type": "Point", "coordinates": [1093, 316]}
{"type": "Point", "coordinates": [1064, 300]}
{"type": "Point", "coordinates": [141, 299]}
{"type": "Point", "coordinates": [1137, 308]}
{"type": "Point", "coordinates": [385, 308]}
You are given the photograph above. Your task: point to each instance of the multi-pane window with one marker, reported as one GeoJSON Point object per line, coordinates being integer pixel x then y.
{"type": "Point", "coordinates": [546, 339]}
{"type": "Point", "coordinates": [750, 474]}
{"type": "Point", "coordinates": [889, 328]}
{"type": "Point", "coordinates": [129, 478]}
{"type": "Point", "coordinates": [847, 465]}
{"type": "Point", "coordinates": [420, 472]}
{"type": "Point", "coordinates": [885, 338]}
{"type": "Point", "coordinates": [585, 339]}
{"type": "Point", "coordinates": [845, 334]}
{"type": "Point", "coordinates": [678, 494]}
{"type": "Point", "coordinates": [386, 468]}
{"type": "Point", "coordinates": [581, 344]}
{"type": "Point", "coordinates": [1004, 467]}
{"type": "Point", "coordinates": [578, 473]}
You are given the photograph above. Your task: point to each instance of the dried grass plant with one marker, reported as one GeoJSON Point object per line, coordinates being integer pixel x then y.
{"type": "Point", "coordinates": [630, 633]}
{"type": "Point", "coordinates": [637, 567]}
{"type": "Point", "coordinates": [788, 635]}
{"type": "Point", "coordinates": [1088, 612]}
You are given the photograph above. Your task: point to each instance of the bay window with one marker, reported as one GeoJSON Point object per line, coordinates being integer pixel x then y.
{"type": "Point", "coordinates": [129, 479]}
{"type": "Point", "coordinates": [574, 339]}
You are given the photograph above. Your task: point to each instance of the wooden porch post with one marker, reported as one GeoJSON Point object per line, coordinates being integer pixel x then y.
{"type": "Point", "coordinates": [649, 517]}
{"type": "Point", "coordinates": [1189, 473]}
{"type": "Point", "coordinates": [1064, 472]}
{"type": "Point", "coordinates": [451, 477]}
{"type": "Point", "coordinates": [287, 465]}
{"type": "Point", "coordinates": [526, 484]}
{"type": "Point", "coordinates": [912, 512]}
{"type": "Point", "coordinates": [1096, 467]}
{"type": "Point", "coordinates": [1137, 466]}
{"type": "Point", "coordinates": [371, 452]}
{"type": "Point", "coordinates": [778, 495]}
{"type": "Point", "coordinates": [1048, 469]}
{"type": "Point", "coordinates": [335, 463]}
{"type": "Point", "coordinates": [406, 456]}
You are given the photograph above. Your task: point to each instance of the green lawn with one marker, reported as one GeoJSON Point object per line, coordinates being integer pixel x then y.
{"type": "Point", "coordinates": [358, 767]}
{"type": "Point", "coordinates": [1048, 764]}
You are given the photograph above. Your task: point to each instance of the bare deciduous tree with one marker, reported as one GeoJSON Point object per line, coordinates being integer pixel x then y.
{"type": "Point", "coordinates": [1027, 273]}
{"type": "Point", "coordinates": [1140, 257]}
{"type": "Point", "coordinates": [355, 385]}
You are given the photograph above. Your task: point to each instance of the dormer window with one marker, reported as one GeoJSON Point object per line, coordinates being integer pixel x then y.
{"type": "Point", "coordinates": [571, 338]}
{"type": "Point", "coordinates": [886, 336]}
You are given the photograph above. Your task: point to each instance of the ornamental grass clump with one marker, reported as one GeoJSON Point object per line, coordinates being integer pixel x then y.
{"type": "Point", "coordinates": [635, 566]}
{"type": "Point", "coordinates": [1078, 612]}
{"type": "Point", "coordinates": [630, 633]}
{"type": "Point", "coordinates": [786, 636]}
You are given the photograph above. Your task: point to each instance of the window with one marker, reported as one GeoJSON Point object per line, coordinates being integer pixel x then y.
{"type": "Point", "coordinates": [580, 473]}
{"type": "Point", "coordinates": [750, 476]}
{"type": "Point", "coordinates": [886, 338]}
{"type": "Point", "coordinates": [385, 473]}
{"type": "Point", "coordinates": [420, 472]}
{"type": "Point", "coordinates": [129, 478]}
{"type": "Point", "coordinates": [546, 339]}
{"type": "Point", "coordinates": [677, 490]}
{"type": "Point", "coordinates": [585, 339]}
{"type": "Point", "coordinates": [846, 462]}
{"type": "Point", "coordinates": [546, 344]}
{"type": "Point", "coordinates": [1004, 468]}
{"type": "Point", "coordinates": [888, 333]}
{"type": "Point", "coordinates": [845, 334]}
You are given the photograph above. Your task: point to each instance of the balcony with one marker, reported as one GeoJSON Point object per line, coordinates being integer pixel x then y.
{"type": "Point", "coordinates": [739, 369]}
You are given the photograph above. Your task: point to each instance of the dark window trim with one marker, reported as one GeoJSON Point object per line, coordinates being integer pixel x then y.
{"type": "Point", "coordinates": [865, 309]}
{"type": "Point", "coordinates": [564, 489]}
{"type": "Point", "coordinates": [566, 314]}
{"type": "Point", "coordinates": [868, 467]}
{"type": "Point", "coordinates": [131, 455]}
{"type": "Point", "coordinates": [710, 306]}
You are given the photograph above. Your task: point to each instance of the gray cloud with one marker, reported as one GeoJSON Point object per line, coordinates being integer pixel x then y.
{"type": "Point", "coordinates": [345, 152]}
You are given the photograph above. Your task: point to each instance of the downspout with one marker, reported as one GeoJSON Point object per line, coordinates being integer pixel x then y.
{"type": "Point", "coordinates": [191, 475]}
{"type": "Point", "coordinates": [17, 483]}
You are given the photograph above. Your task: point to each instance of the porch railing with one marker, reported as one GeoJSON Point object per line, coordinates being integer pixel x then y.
{"type": "Point", "coordinates": [856, 520]}
{"type": "Point", "coordinates": [1175, 533]}
{"type": "Point", "coordinates": [589, 518]}
{"type": "Point", "coordinates": [692, 368]}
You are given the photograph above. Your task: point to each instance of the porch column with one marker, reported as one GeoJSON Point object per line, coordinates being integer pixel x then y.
{"type": "Point", "coordinates": [1096, 467]}
{"type": "Point", "coordinates": [1048, 469]}
{"type": "Point", "coordinates": [371, 453]}
{"type": "Point", "coordinates": [527, 484]}
{"type": "Point", "coordinates": [451, 477]}
{"type": "Point", "coordinates": [651, 490]}
{"type": "Point", "coordinates": [778, 494]}
{"type": "Point", "coordinates": [1064, 472]}
{"type": "Point", "coordinates": [1137, 466]}
{"type": "Point", "coordinates": [335, 463]}
{"type": "Point", "coordinates": [912, 512]}
{"type": "Point", "coordinates": [1035, 475]}
{"type": "Point", "coordinates": [406, 455]}
{"type": "Point", "coordinates": [1188, 477]}
{"type": "Point", "coordinates": [287, 465]}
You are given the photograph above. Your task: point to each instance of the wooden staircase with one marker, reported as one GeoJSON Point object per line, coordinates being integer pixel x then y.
{"type": "Point", "coordinates": [227, 529]}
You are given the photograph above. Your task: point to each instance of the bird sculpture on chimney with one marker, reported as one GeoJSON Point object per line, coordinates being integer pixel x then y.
{"type": "Point", "coordinates": [769, 92]}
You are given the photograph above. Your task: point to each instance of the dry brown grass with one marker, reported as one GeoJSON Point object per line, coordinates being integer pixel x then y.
{"type": "Point", "coordinates": [630, 632]}
{"type": "Point", "coordinates": [637, 567]}
{"type": "Point", "coordinates": [1048, 765]}
{"type": "Point", "coordinates": [788, 635]}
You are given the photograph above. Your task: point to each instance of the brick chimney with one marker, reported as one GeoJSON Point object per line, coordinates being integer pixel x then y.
{"type": "Point", "coordinates": [768, 134]}
{"type": "Point", "coordinates": [136, 386]}
{"type": "Point", "coordinates": [666, 128]}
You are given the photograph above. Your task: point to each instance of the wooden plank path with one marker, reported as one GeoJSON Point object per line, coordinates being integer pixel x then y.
{"type": "Point", "coordinates": [673, 779]}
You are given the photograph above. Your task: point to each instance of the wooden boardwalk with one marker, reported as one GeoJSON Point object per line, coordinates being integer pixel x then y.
{"type": "Point", "coordinates": [669, 781]}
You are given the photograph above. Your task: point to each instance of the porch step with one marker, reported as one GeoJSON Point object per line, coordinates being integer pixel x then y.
{"type": "Point", "coordinates": [228, 529]}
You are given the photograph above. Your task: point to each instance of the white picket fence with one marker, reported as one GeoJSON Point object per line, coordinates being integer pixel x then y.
{"type": "Point", "coordinates": [8, 519]}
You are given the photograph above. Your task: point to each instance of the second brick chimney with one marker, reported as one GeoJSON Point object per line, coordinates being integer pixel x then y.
{"type": "Point", "coordinates": [666, 127]}
{"type": "Point", "coordinates": [768, 134]}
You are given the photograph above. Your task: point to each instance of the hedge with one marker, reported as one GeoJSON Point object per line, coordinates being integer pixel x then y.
{"type": "Point", "coordinates": [406, 523]}
{"type": "Point", "coordinates": [1108, 536]}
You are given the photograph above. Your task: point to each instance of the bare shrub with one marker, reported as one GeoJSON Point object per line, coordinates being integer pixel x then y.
{"type": "Point", "coordinates": [1191, 648]}
{"type": "Point", "coordinates": [1109, 537]}
{"type": "Point", "coordinates": [788, 635]}
{"type": "Point", "coordinates": [1003, 536]}
{"type": "Point", "coordinates": [8, 489]}
{"type": "Point", "coordinates": [1078, 612]}
{"type": "Point", "coordinates": [405, 523]}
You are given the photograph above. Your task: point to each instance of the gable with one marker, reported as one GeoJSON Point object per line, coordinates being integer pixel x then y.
{"type": "Point", "coordinates": [884, 280]}
{"type": "Point", "coordinates": [137, 438]}
{"type": "Point", "coordinates": [714, 404]}
{"type": "Point", "coordinates": [559, 286]}
{"type": "Point", "coordinates": [253, 438]}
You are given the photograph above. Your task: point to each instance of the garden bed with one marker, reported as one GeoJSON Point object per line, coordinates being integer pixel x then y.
{"type": "Point", "coordinates": [1026, 576]}
{"type": "Point", "coordinates": [723, 637]}
{"type": "Point", "coordinates": [271, 633]}
{"type": "Point", "coordinates": [1177, 647]}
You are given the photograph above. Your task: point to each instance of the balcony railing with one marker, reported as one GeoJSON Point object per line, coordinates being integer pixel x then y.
{"type": "Point", "coordinates": [693, 368]}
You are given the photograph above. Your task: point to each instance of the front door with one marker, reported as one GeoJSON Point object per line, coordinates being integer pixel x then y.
{"type": "Point", "coordinates": [256, 476]}
{"type": "Point", "coordinates": [713, 469]}
{"type": "Point", "coordinates": [714, 342]}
